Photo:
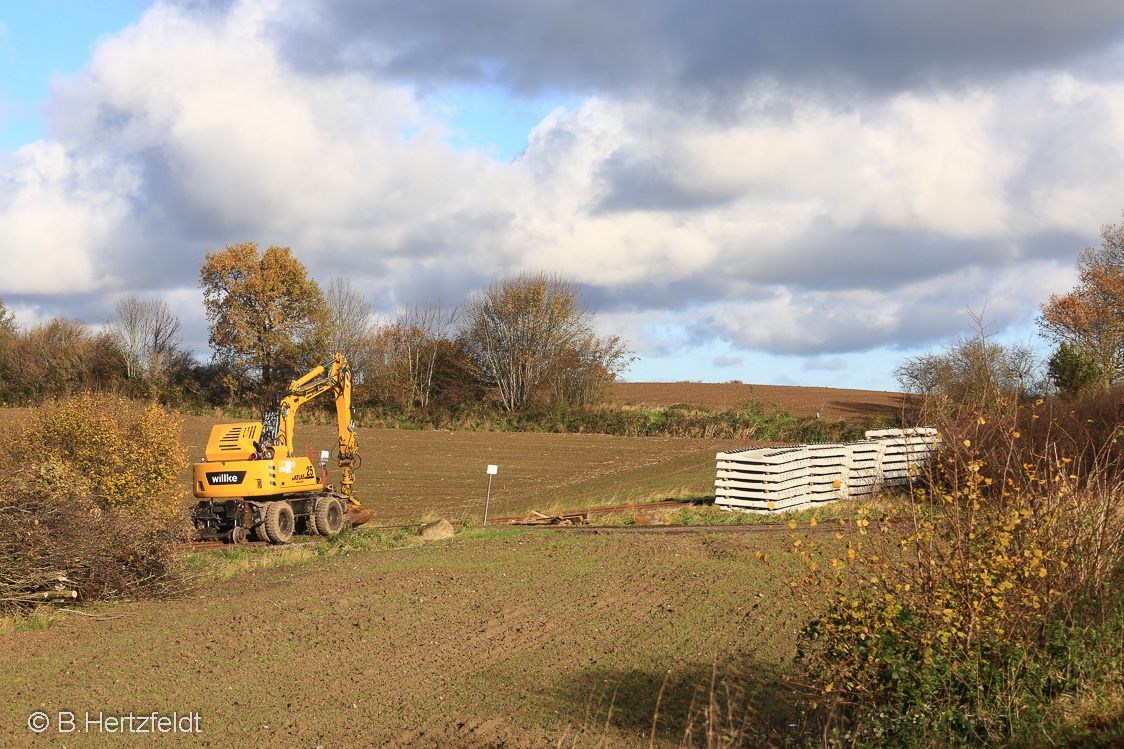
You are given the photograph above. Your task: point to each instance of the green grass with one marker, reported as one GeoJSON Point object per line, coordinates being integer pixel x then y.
{"type": "Point", "coordinates": [709, 514]}
{"type": "Point", "coordinates": [209, 566]}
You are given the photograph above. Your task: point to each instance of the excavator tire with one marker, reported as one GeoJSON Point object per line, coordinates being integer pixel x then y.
{"type": "Point", "coordinates": [279, 522]}
{"type": "Point", "coordinates": [329, 516]}
{"type": "Point", "coordinates": [258, 532]}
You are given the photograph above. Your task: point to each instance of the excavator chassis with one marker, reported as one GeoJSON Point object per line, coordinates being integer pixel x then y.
{"type": "Point", "coordinates": [235, 520]}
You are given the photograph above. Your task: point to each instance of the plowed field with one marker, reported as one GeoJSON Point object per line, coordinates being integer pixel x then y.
{"type": "Point", "coordinates": [407, 475]}
{"type": "Point", "coordinates": [510, 639]}
{"type": "Point", "coordinates": [831, 403]}
{"type": "Point", "coordinates": [492, 639]}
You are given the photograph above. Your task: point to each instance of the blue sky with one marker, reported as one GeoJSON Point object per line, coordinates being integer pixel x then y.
{"type": "Point", "coordinates": [48, 38]}
{"type": "Point", "coordinates": [44, 38]}
{"type": "Point", "coordinates": [798, 194]}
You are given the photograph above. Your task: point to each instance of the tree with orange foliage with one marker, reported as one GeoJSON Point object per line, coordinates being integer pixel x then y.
{"type": "Point", "coordinates": [1090, 318]}
{"type": "Point", "coordinates": [265, 312]}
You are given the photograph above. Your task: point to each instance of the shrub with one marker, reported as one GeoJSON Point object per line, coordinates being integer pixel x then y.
{"type": "Point", "coordinates": [88, 500]}
{"type": "Point", "coordinates": [1071, 372]}
{"type": "Point", "coordinates": [129, 452]}
{"type": "Point", "coordinates": [974, 375]}
{"type": "Point", "coordinates": [962, 622]}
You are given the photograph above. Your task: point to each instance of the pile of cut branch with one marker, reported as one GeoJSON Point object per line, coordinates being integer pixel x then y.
{"type": "Point", "coordinates": [57, 544]}
{"type": "Point", "coordinates": [537, 518]}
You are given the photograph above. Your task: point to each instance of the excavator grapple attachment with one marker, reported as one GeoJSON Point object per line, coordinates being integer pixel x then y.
{"type": "Point", "coordinates": [357, 514]}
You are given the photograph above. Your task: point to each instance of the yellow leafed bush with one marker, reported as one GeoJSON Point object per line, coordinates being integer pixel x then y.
{"type": "Point", "coordinates": [129, 452]}
{"type": "Point", "coordinates": [961, 620]}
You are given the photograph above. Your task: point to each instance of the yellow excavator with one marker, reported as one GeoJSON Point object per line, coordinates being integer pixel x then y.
{"type": "Point", "coordinates": [252, 484]}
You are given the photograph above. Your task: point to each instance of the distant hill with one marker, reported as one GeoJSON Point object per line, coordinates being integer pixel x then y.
{"type": "Point", "coordinates": [799, 401]}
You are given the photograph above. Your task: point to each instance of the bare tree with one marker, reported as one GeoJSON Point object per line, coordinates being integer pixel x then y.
{"type": "Point", "coordinates": [403, 356]}
{"type": "Point", "coordinates": [976, 372]}
{"type": "Point", "coordinates": [147, 334]}
{"type": "Point", "coordinates": [581, 375]}
{"type": "Point", "coordinates": [347, 319]}
{"type": "Point", "coordinates": [164, 338]}
{"type": "Point", "coordinates": [520, 328]}
{"type": "Point", "coordinates": [421, 328]}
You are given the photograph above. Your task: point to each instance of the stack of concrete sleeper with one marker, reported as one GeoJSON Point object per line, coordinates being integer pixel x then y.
{"type": "Point", "coordinates": [795, 477]}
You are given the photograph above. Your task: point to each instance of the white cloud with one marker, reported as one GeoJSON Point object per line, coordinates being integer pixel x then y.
{"type": "Point", "coordinates": [833, 364]}
{"type": "Point", "coordinates": [56, 212]}
{"type": "Point", "coordinates": [783, 221]}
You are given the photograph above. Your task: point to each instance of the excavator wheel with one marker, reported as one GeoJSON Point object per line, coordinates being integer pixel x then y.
{"type": "Point", "coordinates": [258, 532]}
{"type": "Point", "coordinates": [279, 522]}
{"type": "Point", "coordinates": [329, 516]}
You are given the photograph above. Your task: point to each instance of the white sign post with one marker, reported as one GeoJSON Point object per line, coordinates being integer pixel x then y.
{"type": "Point", "coordinates": [492, 471]}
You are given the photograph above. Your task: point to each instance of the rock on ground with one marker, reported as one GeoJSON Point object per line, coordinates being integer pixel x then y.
{"type": "Point", "coordinates": [436, 531]}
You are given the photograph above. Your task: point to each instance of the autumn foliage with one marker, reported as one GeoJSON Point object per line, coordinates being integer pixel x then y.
{"type": "Point", "coordinates": [88, 501]}
{"type": "Point", "coordinates": [531, 334]}
{"type": "Point", "coordinates": [964, 615]}
{"type": "Point", "coordinates": [265, 312]}
{"type": "Point", "coordinates": [128, 452]}
{"type": "Point", "coordinates": [1089, 320]}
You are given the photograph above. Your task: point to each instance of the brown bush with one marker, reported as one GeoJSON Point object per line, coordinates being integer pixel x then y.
{"type": "Point", "coordinates": [1027, 443]}
{"type": "Point", "coordinates": [54, 536]}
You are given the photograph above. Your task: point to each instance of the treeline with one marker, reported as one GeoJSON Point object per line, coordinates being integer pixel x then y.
{"type": "Point", "coordinates": [525, 342]}
{"type": "Point", "coordinates": [1085, 327]}
{"type": "Point", "coordinates": [64, 355]}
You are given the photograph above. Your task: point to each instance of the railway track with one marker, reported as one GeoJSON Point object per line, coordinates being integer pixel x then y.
{"type": "Point", "coordinates": [196, 545]}
{"type": "Point", "coordinates": [669, 504]}
{"type": "Point", "coordinates": [832, 526]}
{"type": "Point", "coordinates": [742, 528]}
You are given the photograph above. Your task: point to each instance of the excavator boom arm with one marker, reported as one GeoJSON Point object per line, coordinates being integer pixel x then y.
{"type": "Point", "coordinates": [334, 375]}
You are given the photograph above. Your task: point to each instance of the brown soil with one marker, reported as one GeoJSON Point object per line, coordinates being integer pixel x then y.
{"type": "Point", "coordinates": [798, 401]}
{"type": "Point", "coordinates": [523, 639]}
{"type": "Point", "coordinates": [411, 475]}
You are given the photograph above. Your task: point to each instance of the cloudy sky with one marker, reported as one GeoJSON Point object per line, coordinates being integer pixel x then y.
{"type": "Point", "coordinates": [797, 193]}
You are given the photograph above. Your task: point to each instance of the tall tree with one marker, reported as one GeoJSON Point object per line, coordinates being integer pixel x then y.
{"type": "Point", "coordinates": [147, 333]}
{"type": "Point", "coordinates": [403, 356]}
{"type": "Point", "coordinates": [1090, 318]}
{"type": "Point", "coordinates": [420, 329]}
{"type": "Point", "coordinates": [265, 312]}
{"type": "Point", "coordinates": [521, 328]}
{"type": "Point", "coordinates": [347, 319]}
